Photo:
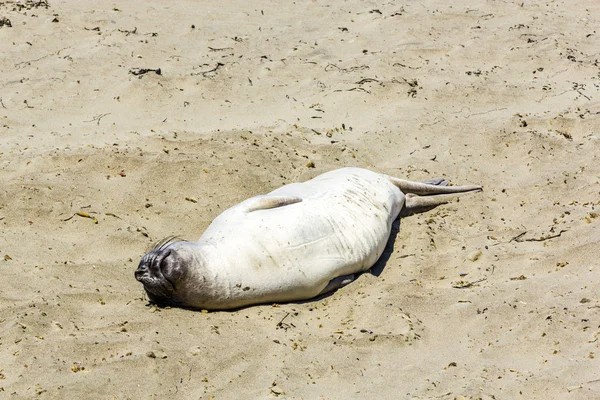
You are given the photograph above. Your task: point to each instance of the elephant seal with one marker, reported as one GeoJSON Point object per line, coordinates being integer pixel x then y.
{"type": "Point", "coordinates": [294, 243]}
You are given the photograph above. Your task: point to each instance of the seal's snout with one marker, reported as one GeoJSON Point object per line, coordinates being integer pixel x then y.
{"type": "Point", "coordinates": [141, 272]}
{"type": "Point", "coordinates": [154, 272]}
{"type": "Point", "coordinates": [152, 265]}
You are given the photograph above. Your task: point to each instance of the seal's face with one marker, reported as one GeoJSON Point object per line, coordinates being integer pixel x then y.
{"type": "Point", "coordinates": [160, 271]}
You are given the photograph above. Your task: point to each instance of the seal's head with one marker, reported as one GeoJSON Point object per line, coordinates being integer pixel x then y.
{"type": "Point", "coordinates": [162, 270]}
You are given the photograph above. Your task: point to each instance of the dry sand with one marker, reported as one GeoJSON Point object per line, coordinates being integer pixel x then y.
{"type": "Point", "coordinates": [493, 297]}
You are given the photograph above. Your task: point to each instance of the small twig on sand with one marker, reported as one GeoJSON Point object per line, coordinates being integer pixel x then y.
{"type": "Point", "coordinates": [210, 71]}
{"type": "Point", "coordinates": [466, 284]}
{"type": "Point", "coordinates": [28, 62]}
{"type": "Point", "coordinates": [331, 67]}
{"type": "Point", "coordinates": [97, 118]}
{"type": "Point", "coordinates": [280, 324]}
{"type": "Point", "coordinates": [219, 48]}
{"type": "Point", "coordinates": [540, 239]}
{"type": "Point", "coordinates": [516, 238]}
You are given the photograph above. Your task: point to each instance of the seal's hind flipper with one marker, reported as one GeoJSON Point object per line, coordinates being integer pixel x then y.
{"type": "Point", "coordinates": [423, 196]}
{"type": "Point", "coordinates": [268, 202]}
{"type": "Point", "coordinates": [414, 204]}
{"type": "Point", "coordinates": [439, 187]}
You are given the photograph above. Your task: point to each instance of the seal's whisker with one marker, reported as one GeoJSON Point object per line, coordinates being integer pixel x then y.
{"type": "Point", "coordinates": [161, 244]}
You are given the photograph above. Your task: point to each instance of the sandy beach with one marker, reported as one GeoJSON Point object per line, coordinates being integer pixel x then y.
{"type": "Point", "coordinates": [122, 123]}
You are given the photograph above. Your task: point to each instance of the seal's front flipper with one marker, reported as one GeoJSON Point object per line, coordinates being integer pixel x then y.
{"type": "Point", "coordinates": [268, 202]}
{"type": "Point", "coordinates": [337, 283]}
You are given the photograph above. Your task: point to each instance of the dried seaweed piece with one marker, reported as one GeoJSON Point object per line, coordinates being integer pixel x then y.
{"type": "Point", "coordinates": [5, 22]}
{"type": "Point", "coordinates": [143, 71]}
